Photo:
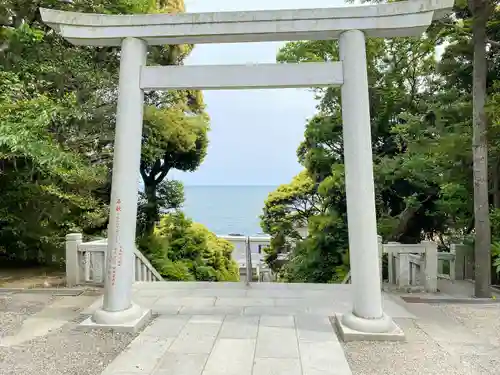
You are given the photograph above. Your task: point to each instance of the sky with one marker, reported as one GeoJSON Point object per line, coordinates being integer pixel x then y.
{"type": "Point", "coordinates": [254, 133]}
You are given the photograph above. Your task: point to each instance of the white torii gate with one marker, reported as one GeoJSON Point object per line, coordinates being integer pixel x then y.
{"type": "Point", "coordinates": [349, 24]}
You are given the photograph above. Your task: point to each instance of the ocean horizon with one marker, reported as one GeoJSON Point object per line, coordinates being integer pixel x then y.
{"type": "Point", "coordinates": [226, 209]}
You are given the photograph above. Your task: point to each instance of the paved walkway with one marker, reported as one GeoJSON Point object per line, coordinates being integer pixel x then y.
{"type": "Point", "coordinates": [231, 329]}
{"type": "Point", "coordinates": [266, 329]}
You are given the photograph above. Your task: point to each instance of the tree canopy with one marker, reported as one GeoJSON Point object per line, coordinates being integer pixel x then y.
{"type": "Point", "coordinates": [185, 251]}
{"type": "Point", "coordinates": [57, 117]}
{"type": "Point", "coordinates": [421, 123]}
{"type": "Point", "coordinates": [174, 137]}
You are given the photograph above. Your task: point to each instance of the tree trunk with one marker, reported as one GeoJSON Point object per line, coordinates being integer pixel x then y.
{"type": "Point", "coordinates": [151, 209]}
{"type": "Point", "coordinates": [496, 184]}
{"type": "Point", "coordinates": [482, 289]}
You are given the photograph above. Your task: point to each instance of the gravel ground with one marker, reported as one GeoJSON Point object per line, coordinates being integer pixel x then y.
{"type": "Point", "coordinates": [15, 308]}
{"type": "Point", "coordinates": [65, 351]}
{"type": "Point", "coordinates": [419, 355]}
{"type": "Point", "coordinates": [429, 352]}
{"type": "Point", "coordinates": [483, 320]}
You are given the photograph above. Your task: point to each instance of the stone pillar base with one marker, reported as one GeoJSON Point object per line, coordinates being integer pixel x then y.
{"type": "Point", "coordinates": [131, 320]}
{"type": "Point", "coordinates": [353, 328]}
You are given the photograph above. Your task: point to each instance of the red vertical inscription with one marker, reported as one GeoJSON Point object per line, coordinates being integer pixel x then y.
{"type": "Point", "coordinates": [116, 256]}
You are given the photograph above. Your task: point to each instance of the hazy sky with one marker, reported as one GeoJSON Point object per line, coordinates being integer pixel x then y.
{"type": "Point", "coordinates": [255, 133]}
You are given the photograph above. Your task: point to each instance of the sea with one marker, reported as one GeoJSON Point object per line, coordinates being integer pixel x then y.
{"type": "Point", "coordinates": [227, 209]}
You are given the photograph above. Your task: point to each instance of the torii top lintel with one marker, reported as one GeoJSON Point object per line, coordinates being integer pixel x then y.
{"type": "Point", "coordinates": [395, 19]}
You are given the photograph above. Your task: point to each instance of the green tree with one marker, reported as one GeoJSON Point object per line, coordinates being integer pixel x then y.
{"type": "Point", "coordinates": [396, 70]}
{"type": "Point", "coordinates": [46, 188]}
{"type": "Point", "coordinates": [54, 143]}
{"type": "Point", "coordinates": [169, 197]}
{"type": "Point", "coordinates": [290, 206]}
{"type": "Point", "coordinates": [322, 257]}
{"type": "Point", "coordinates": [420, 131]}
{"type": "Point", "coordinates": [58, 104]}
{"type": "Point", "coordinates": [175, 129]}
{"type": "Point", "coordinates": [471, 65]}
{"type": "Point", "coordinates": [174, 137]}
{"type": "Point", "coordinates": [286, 210]}
{"type": "Point", "coordinates": [185, 251]}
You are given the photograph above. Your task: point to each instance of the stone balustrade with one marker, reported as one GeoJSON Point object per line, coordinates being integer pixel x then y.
{"type": "Point", "coordinates": [86, 263]}
{"type": "Point", "coordinates": [412, 266]}
{"type": "Point", "coordinates": [464, 262]}
{"type": "Point", "coordinates": [416, 267]}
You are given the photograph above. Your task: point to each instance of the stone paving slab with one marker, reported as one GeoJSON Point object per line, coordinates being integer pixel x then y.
{"type": "Point", "coordinates": [140, 357]}
{"type": "Point", "coordinates": [201, 338]}
{"type": "Point", "coordinates": [182, 364]}
{"type": "Point", "coordinates": [231, 357]}
{"type": "Point", "coordinates": [196, 338]}
{"type": "Point", "coordinates": [239, 327]}
{"type": "Point", "coordinates": [277, 366]}
{"type": "Point", "coordinates": [52, 291]}
{"type": "Point", "coordinates": [278, 329]}
{"type": "Point", "coordinates": [205, 298]}
{"type": "Point", "coordinates": [234, 345]}
{"type": "Point", "coordinates": [231, 328]}
{"type": "Point", "coordinates": [277, 342]}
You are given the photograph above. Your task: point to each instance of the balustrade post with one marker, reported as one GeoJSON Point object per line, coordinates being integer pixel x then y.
{"type": "Point", "coordinates": [452, 269]}
{"type": "Point", "coordinates": [403, 276]}
{"type": "Point", "coordinates": [459, 262]}
{"type": "Point", "coordinates": [391, 261]}
{"type": "Point", "coordinates": [430, 266]}
{"type": "Point", "coordinates": [464, 264]}
{"type": "Point", "coordinates": [73, 240]}
{"type": "Point", "coordinates": [248, 254]}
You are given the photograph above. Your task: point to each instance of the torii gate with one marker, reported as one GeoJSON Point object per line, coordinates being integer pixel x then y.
{"type": "Point", "coordinates": [349, 24]}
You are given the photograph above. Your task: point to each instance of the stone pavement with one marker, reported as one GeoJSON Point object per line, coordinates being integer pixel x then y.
{"type": "Point", "coordinates": [204, 328]}
{"type": "Point", "coordinates": [231, 329]}
{"type": "Point", "coordinates": [231, 345]}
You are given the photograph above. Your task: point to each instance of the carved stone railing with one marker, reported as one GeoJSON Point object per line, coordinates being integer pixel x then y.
{"type": "Point", "coordinates": [464, 261]}
{"type": "Point", "coordinates": [86, 262]}
{"type": "Point", "coordinates": [458, 264]}
{"type": "Point", "coordinates": [413, 266]}
{"type": "Point", "coordinates": [446, 265]}
{"type": "Point", "coordinates": [419, 266]}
